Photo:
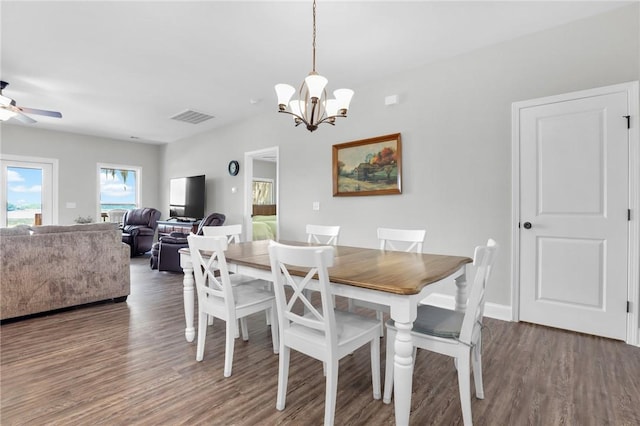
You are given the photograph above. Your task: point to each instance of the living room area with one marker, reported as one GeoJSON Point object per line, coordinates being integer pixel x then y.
{"type": "Point", "coordinates": [129, 362]}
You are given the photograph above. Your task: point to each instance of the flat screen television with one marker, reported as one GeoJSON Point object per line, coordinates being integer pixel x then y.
{"type": "Point", "coordinates": [186, 198]}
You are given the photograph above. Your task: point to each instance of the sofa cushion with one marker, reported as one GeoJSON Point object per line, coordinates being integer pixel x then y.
{"type": "Point", "coordinates": [56, 229]}
{"type": "Point", "coordinates": [16, 230]}
{"type": "Point", "coordinates": [138, 230]}
{"type": "Point", "coordinates": [172, 239]}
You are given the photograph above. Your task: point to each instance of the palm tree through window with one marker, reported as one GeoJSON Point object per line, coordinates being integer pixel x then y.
{"type": "Point", "coordinates": [119, 187]}
{"type": "Point", "coordinates": [262, 191]}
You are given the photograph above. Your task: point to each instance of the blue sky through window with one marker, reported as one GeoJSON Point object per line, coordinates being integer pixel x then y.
{"type": "Point", "coordinates": [114, 190]}
{"type": "Point", "coordinates": [24, 186]}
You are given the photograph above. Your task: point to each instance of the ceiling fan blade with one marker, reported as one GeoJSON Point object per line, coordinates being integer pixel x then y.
{"type": "Point", "coordinates": [21, 117]}
{"type": "Point", "coordinates": [55, 114]}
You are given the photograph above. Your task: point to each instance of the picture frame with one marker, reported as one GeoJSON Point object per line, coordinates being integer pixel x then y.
{"type": "Point", "coordinates": [368, 167]}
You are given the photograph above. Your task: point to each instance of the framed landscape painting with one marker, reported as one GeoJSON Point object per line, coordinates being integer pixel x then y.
{"type": "Point", "coordinates": [368, 167]}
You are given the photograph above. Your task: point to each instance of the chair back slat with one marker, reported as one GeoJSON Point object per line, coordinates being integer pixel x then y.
{"type": "Point", "coordinates": [210, 268]}
{"type": "Point", "coordinates": [401, 239]}
{"type": "Point", "coordinates": [294, 304]}
{"type": "Point", "coordinates": [116, 215]}
{"type": "Point", "coordinates": [299, 297]}
{"type": "Point", "coordinates": [321, 234]}
{"type": "Point", "coordinates": [232, 232]}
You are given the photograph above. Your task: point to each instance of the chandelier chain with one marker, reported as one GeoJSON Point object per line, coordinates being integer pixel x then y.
{"type": "Point", "coordinates": [313, 44]}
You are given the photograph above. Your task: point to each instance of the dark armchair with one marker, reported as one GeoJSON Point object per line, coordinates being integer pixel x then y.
{"type": "Point", "coordinates": [164, 254]}
{"type": "Point", "coordinates": [139, 228]}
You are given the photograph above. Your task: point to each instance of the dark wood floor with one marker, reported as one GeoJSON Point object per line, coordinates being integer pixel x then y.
{"type": "Point", "coordinates": [129, 363]}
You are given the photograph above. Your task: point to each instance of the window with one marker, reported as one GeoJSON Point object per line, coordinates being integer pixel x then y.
{"type": "Point", "coordinates": [119, 187]}
{"type": "Point", "coordinates": [262, 191]}
{"type": "Point", "coordinates": [28, 191]}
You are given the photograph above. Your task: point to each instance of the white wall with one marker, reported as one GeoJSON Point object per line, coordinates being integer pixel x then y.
{"type": "Point", "coordinates": [78, 157]}
{"type": "Point", "coordinates": [454, 118]}
{"type": "Point", "coordinates": [264, 170]}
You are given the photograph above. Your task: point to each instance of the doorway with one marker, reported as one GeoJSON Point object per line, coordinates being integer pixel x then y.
{"type": "Point", "coordinates": [575, 185]}
{"type": "Point", "coordinates": [253, 171]}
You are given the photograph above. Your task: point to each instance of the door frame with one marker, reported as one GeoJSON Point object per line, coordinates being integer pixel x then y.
{"type": "Point", "coordinates": [272, 152]}
{"type": "Point", "coordinates": [633, 267]}
{"type": "Point", "coordinates": [26, 161]}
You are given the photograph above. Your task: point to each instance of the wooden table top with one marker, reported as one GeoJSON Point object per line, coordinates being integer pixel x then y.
{"type": "Point", "coordinates": [383, 270]}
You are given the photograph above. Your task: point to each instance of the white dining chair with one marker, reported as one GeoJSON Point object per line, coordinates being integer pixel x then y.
{"type": "Point", "coordinates": [408, 240]}
{"type": "Point", "coordinates": [453, 333]}
{"type": "Point", "coordinates": [321, 332]}
{"type": "Point", "coordinates": [116, 215]}
{"type": "Point", "coordinates": [322, 234]}
{"type": "Point", "coordinates": [219, 299]}
{"type": "Point", "coordinates": [401, 239]}
{"type": "Point", "coordinates": [232, 232]}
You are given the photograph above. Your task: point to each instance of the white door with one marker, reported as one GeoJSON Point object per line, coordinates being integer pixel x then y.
{"type": "Point", "coordinates": [574, 200]}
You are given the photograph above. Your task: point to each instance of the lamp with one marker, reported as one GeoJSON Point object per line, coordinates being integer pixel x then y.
{"type": "Point", "coordinates": [312, 107]}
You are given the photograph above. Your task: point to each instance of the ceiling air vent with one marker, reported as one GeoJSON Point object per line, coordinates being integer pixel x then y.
{"type": "Point", "coordinates": [190, 116]}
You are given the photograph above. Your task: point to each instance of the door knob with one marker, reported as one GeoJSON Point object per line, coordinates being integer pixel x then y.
{"type": "Point", "coordinates": [527, 225]}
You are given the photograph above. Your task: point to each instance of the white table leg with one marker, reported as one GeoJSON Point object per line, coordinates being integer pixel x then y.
{"type": "Point", "coordinates": [403, 373]}
{"type": "Point", "coordinates": [461, 293]}
{"type": "Point", "coordinates": [189, 299]}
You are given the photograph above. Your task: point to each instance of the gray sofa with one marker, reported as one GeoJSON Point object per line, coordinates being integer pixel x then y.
{"type": "Point", "coordinates": [44, 268]}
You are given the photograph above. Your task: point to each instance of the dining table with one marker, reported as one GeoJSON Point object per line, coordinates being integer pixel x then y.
{"type": "Point", "coordinates": [399, 280]}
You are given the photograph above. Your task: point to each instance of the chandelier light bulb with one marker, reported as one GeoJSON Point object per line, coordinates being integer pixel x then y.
{"type": "Point", "coordinates": [331, 107]}
{"type": "Point", "coordinates": [297, 108]}
{"type": "Point", "coordinates": [315, 84]}
{"type": "Point", "coordinates": [343, 98]}
{"type": "Point", "coordinates": [284, 92]}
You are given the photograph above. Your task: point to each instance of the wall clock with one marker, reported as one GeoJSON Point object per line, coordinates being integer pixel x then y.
{"type": "Point", "coordinates": [234, 167]}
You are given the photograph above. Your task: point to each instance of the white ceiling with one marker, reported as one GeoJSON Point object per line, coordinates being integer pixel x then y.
{"type": "Point", "coordinates": [120, 69]}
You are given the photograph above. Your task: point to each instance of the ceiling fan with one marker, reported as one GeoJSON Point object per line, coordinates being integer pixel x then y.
{"type": "Point", "coordinates": [9, 109]}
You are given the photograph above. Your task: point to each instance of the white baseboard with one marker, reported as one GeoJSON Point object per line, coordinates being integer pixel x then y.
{"type": "Point", "coordinates": [491, 310]}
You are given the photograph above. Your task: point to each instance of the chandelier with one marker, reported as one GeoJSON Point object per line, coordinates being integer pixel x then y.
{"type": "Point", "coordinates": [312, 107]}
